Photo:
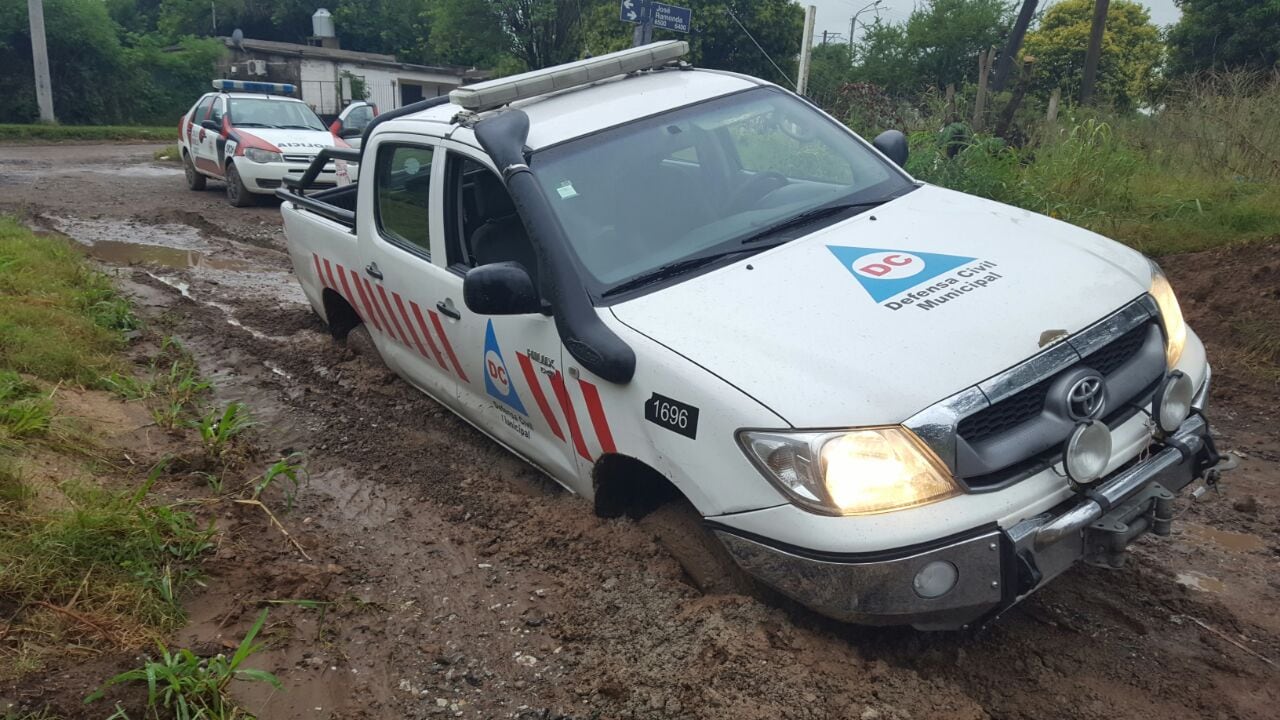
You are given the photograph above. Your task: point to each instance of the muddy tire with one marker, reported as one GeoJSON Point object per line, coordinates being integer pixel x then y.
{"type": "Point", "coordinates": [678, 528]}
{"type": "Point", "coordinates": [195, 181]}
{"type": "Point", "coordinates": [361, 343]}
{"type": "Point", "coordinates": [237, 194]}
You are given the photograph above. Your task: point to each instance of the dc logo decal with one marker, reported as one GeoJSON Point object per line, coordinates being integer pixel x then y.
{"type": "Point", "coordinates": [497, 381]}
{"type": "Point", "coordinates": [886, 273]}
{"type": "Point", "coordinates": [888, 266]}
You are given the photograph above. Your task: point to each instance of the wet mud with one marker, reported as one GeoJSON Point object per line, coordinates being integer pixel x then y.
{"type": "Point", "coordinates": [445, 578]}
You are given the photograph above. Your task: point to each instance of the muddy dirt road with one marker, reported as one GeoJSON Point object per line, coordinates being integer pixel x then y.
{"type": "Point", "coordinates": [458, 582]}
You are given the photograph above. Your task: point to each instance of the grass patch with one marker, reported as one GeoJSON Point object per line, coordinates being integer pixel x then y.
{"type": "Point", "coordinates": [63, 133]}
{"type": "Point", "coordinates": [168, 153]}
{"type": "Point", "coordinates": [187, 687]}
{"type": "Point", "coordinates": [60, 320]}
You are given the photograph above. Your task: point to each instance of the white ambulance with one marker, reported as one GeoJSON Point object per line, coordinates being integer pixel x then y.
{"type": "Point", "coordinates": [692, 297]}
{"type": "Point", "coordinates": [253, 137]}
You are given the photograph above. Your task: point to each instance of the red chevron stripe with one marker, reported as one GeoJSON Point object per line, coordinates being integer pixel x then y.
{"type": "Point", "coordinates": [391, 313]}
{"type": "Point", "coordinates": [448, 348]}
{"type": "Point", "coordinates": [570, 417]}
{"type": "Point", "coordinates": [373, 300]}
{"type": "Point", "coordinates": [319, 272]}
{"type": "Point", "coordinates": [422, 324]}
{"type": "Point", "coordinates": [598, 420]}
{"type": "Point", "coordinates": [539, 397]}
{"type": "Point", "coordinates": [364, 300]}
{"type": "Point", "coordinates": [346, 290]}
{"type": "Point", "coordinates": [329, 271]}
{"type": "Point", "coordinates": [413, 333]}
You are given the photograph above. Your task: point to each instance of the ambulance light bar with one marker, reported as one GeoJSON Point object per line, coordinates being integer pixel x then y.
{"type": "Point", "coordinates": [496, 93]}
{"type": "Point", "coordinates": [253, 87]}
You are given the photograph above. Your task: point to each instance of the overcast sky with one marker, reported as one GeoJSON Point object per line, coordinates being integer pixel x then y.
{"type": "Point", "coordinates": [833, 15]}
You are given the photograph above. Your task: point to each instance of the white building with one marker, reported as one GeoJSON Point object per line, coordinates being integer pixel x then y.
{"type": "Point", "coordinates": [329, 77]}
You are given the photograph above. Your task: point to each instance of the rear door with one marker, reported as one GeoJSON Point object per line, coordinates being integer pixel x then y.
{"type": "Point", "coordinates": [197, 136]}
{"type": "Point", "coordinates": [402, 289]}
{"type": "Point", "coordinates": [207, 141]}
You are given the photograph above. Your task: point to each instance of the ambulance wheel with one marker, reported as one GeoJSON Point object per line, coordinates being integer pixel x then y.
{"type": "Point", "coordinates": [195, 181]}
{"type": "Point", "coordinates": [237, 194]}
{"type": "Point", "coordinates": [678, 528]}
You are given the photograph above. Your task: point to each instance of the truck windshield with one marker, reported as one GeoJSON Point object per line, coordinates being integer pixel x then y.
{"type": "Point", "coordinates": [642, 199]}
{"type": "Point", "coordinates": [255, 112]}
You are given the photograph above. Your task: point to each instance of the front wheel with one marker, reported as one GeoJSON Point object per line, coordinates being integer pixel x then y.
{"type": "Point", "coordinates": [678, 528]}
{"type": "Point", "coordinates": [237, 194]}
{"type": "Point", "coordinates": [195, 181]}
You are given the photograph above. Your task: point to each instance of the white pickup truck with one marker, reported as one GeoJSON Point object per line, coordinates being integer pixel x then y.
{"type": "Point", "coordinates": [695, 298]}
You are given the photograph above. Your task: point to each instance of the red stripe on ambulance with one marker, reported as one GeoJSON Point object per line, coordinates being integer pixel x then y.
{"type": "Point", "coordinates": [599, 422]}
{"type": "Point", "coordinates": [448, 347]}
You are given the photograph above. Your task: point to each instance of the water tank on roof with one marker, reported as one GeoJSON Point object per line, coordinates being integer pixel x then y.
{"type": "Point", "coordinates": [322, 24]}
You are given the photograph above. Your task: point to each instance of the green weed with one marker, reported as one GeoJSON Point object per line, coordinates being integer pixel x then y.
{"type": "Point", "coordinates": [217, 430]}
{"type": "Point", "coordinates": [184, 686]}
{"type": "Point", "coordinates": [285, 469]}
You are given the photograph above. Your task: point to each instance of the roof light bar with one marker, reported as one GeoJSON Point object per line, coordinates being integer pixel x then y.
{"type": "Point", "coordinates": [496, 93]}
{"type": "Point", "coordinates": [253, 87]}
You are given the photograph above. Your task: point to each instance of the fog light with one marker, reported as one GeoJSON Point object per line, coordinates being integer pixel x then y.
{"type": "Point", "coordinates": [1088, 452]}
{"type": "Point", "coordinates": [935, 579]}
{"type": "Point", "coordinates": [1173, 401]}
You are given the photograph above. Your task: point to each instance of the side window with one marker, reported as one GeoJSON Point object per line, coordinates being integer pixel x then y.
{"type": "Point", "coordinates": [482, 221]}
{"type": "Point", "coordinates": [359, 118]}
{"type": "Point", "coordinates": [202, 110]}
{"type": "Point", "coordinates": [402, 185]}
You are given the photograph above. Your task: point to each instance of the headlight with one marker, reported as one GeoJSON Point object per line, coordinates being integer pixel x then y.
{"type": "Point", "coordinates": [1175, 328]}
{"type": "Point", "coordinates": [858, 472]}
{"type": "Point", "coordinates": [259, 155]}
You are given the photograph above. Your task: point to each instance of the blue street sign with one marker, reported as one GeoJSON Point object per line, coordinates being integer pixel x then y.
{"type": "Point", "coordinates": [671, 17]}
{"type": "Point", "coordinates": [633, 11]}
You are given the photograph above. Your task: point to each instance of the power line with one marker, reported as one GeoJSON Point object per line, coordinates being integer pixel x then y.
{"type": "Point", "coordinates": [761, 49]}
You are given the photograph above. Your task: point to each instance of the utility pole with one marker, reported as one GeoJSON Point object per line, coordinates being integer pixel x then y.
{"type": "Point", "coordinates": [40, 59]}
{"type": "Point", "coordinates": [806, 49]}
{"type": "Point", "coordinates": [1095, 50]}
{"type": "Point", "coordinates": [1005, 67]}
{"type": "Point", "coordinates": [853, 21]}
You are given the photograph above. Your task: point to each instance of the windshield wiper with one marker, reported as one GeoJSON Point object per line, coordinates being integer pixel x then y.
{"type": "Point", "coordinates": [298, 127]}
{"type": "Point", "coordinates": [253, 124]}
{"type": "Point", "coordinates": [678, 267]}
{"type": "Point", "coordinates": [807, 217]}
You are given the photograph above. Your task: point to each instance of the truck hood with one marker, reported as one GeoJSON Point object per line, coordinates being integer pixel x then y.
{"type": "Point", "coordinates": [872, 319]}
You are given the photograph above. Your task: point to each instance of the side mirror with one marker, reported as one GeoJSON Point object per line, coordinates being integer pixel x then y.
{"type": "Point", "coordinates": [347, 133]}
{"type": "Point", "coordinates": [211, 125]}
{"type": "Point", "coordinates": [503, 288]}
{"type": "Point", "coordinates": [894, 146]}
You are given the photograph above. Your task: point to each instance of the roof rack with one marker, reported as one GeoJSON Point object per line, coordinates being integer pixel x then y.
{"type": "Point", "coordinates": [253, 86]}
{"type": "Point", "coordinates": [496, 93]}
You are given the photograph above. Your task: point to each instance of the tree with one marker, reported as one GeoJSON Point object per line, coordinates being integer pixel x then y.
{"type": "Point", "coordinates": [936, 45]}
{"type": "Point", "coordinates": [1131, 51]}
{"type": "Point", "coordinates": [1217, 34]}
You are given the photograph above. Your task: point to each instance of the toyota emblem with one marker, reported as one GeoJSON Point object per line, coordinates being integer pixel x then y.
{"type": "Point", "coordinates": [1086, 398]}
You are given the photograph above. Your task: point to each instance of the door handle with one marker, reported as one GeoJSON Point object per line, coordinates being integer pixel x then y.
{"type": "Point", "coordinates": [373, 271]}
{"type": "Point", "coordinates": [446, 307]}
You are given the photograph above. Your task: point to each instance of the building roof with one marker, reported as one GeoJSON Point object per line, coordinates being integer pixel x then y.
{"type": "Point", "coordinates": [352, 56]}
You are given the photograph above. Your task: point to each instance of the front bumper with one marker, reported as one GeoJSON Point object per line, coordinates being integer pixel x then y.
{"type": "Point", "coordinates": [264, 178]}
{"type": "Point", "coordinates": [996, 567]}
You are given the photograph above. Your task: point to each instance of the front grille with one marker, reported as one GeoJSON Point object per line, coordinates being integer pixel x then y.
{"type": "Point", "coordinates": [1004, 415]}
{"type": "Point", "coordinates": [1110, 357]}
{"type": "Point", "coordinates": [299, 158]}
{"type": "Point", "coordinates": [1024, 405]}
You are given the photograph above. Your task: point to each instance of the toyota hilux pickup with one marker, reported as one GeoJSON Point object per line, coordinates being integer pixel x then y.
{"type": "Point", "coordinates": [693, 297]}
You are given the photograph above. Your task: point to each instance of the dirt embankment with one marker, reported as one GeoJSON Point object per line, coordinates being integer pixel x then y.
{"type": "Point", "coordinates": [451, 580]}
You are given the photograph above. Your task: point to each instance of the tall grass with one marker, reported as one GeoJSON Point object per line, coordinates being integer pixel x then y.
{"type": "Point", "coordinates": [1201, 170]}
